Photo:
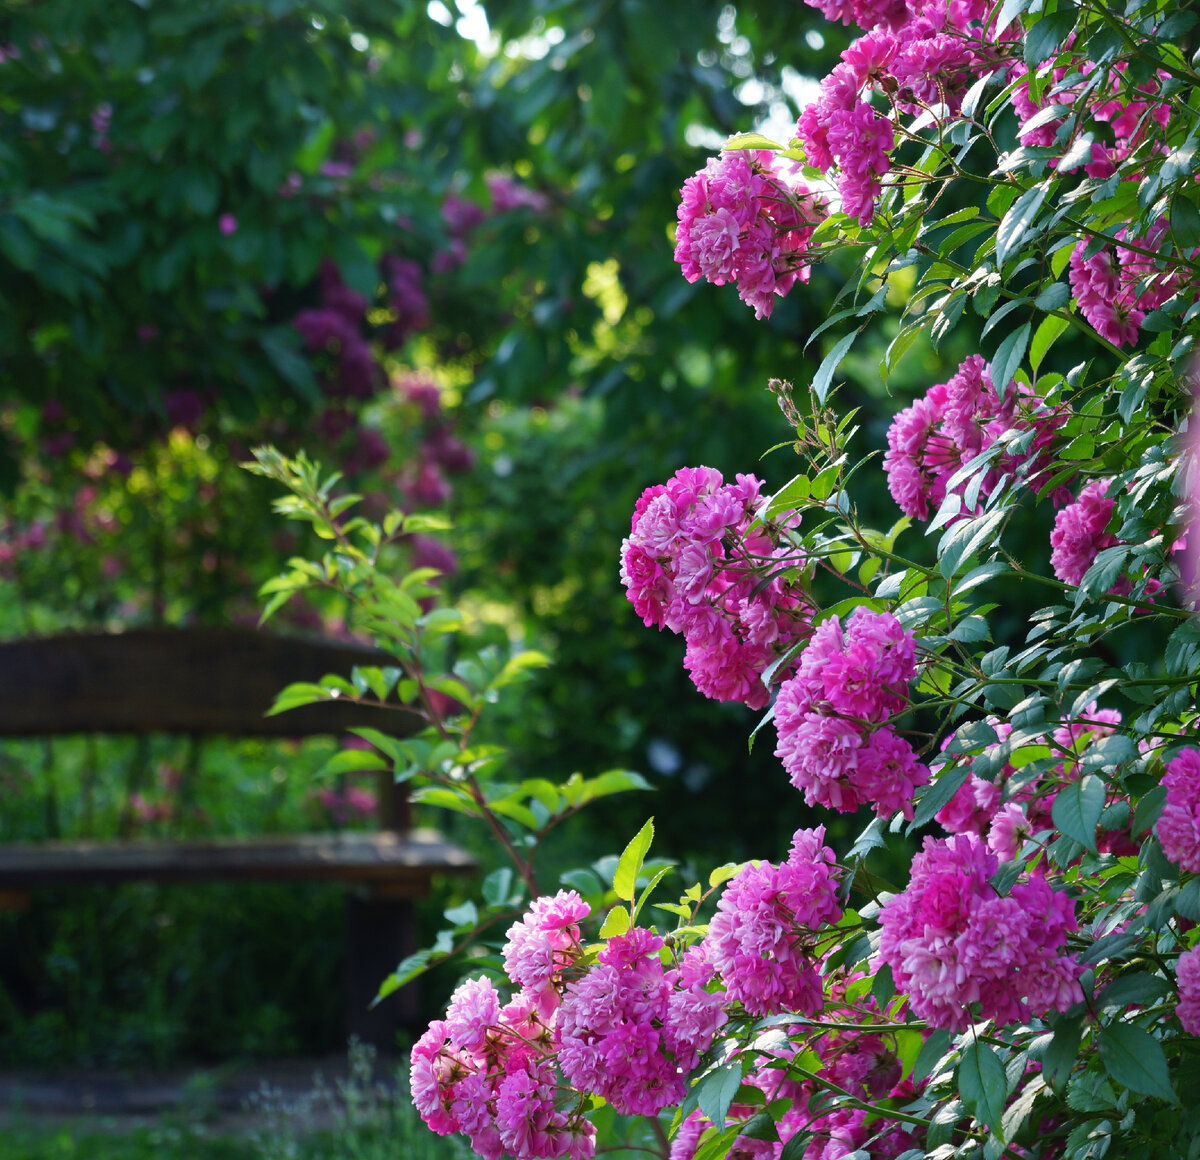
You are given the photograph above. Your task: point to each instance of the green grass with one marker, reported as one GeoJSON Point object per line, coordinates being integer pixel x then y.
{"type": "Point", "coordinates": [67, 1142]}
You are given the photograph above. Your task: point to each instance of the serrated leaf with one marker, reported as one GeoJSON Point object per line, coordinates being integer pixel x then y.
{"type": "Point", "coordinates": [1077, 809]}
{"type": "Point", "coordinates": [1016, 223]}
{"type": "Point", "coordinates": [715, 1092]}
{"type": "Point", "coordinates": [749, 141]}
{"type": "Point", "coordinates": [1135, 1059]}
{"type": "Point", "coordinates": [1009, 355]}
{"type": "Point", "coordinates": [829, 364]}
{"type": "Point", "coordinates": [982, 1084]}
{"type": "Point", "coordinates": [351, 761]}
{"type": "Point", "coordinates": [616, 922]}
{"type": "Point", "coordinates": [629, 866]}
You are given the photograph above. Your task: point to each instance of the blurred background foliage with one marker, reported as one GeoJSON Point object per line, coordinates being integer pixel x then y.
{"type": "Point", "coordinates": [432, 246]}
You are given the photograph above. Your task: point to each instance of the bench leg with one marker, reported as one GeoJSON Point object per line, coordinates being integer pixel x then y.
{"type": "Point", "coordinates": [379, 933]}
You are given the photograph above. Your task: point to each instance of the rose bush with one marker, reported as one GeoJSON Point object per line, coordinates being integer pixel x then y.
{"type": "Point", "coordinates": [1030, 990]}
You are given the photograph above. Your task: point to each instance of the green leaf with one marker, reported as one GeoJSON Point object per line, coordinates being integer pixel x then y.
{"type": "Point", "coordinates": [1135, 1059]}
{"type": "Point", "coordinates": [1017, 222]}
{"type": "Point", "coordinates": [829, 364]}
{"type": "Point", "coordinates": [932, 1050]}
{"type": "Point", "coordinates": [1077, 809]}
{"type": "Point", "coordinates": [497, 886]}
{"type": "Point", "coordinates": [1047, 333]}
{"type": "Point", "coordinates": [1187, 902]}
{"type": "Point", "coordinates": [351, 761]}
{"type": "Point", "coordinates": [724, 873]}
{"type": "Point", "coordinates": [1185, 222]}
{"type": "Point", "coordinates": [961, 541]}
{"type": "Point", "coordinates": [518, 668]}
{"type": "Point", "coordinates": [296, 695]}
{"type": "Point", "coordinates": [1008, 356]}
{"type": "Point", "coordinates": [408, 969]}
{"type": "Point", "coordinates": [630, 864]}
{"type": "Point", "coordinates": [389, 745]}
{"type": "Point", "coordinates": [749, 141]}
{"type": "Point", "coordinates": [1060, 1056]}
{"type": "Point", "coordinates": [937, 795]}
{"type": "Point", "coordinates": [613, 781]}
{"type": "Point", "coordinates": [442, 620]}
{"type": "Point", "coordinates": [714, 1145]}
{"type": "Point", "coordinates": [982, 1084]}
{"type": "Point", "coordinates": [1134, 988]}
{"type": "Point", "coordinates": [715, 1092]}
{"type": "Point", "coordinates": [616, 922]}
{"type": "Point", "coordinates": [1045, 38]}
{"type": "Point", "coordinates": [657, 877]}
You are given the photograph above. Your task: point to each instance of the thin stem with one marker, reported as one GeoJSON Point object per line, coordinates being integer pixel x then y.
{"type": "Point", "coordinates": [522, 865]}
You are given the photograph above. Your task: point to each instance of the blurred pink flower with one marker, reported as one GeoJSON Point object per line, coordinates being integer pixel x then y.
{"type": "Point", "coordinates": [227, 223]}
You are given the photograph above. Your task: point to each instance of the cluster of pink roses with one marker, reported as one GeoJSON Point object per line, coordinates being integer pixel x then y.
{"type": "Point", "coordinates": [1179, 823]}
{"type": "Point", "coordinates": [628, 1027]}
{"type": "Point", "coordinates": [743, 220]}
{"type": "Point", "coordinates": [1116, 287]}
{"type": "Point", "coordinates": [758, 939]}
{"type": "Point", "coordinates": [1080, 533]}
{"type": "Point", "coordinates": [693, 563]}
{"type": "Point", "coordinates": [929, 441]}
{"type": "Point", "coordinates": [831, 717]}
{"type": "Point", "coordinates": [631, 1030]}
{"type": "Point", "coordinates": [952, 940]}
{"type": "Point", "coordinates": [918, 56]}
{"type": "Point", "coordinates": [858, 1061]}
{"type": "Point", "coordinates": [487, 1070]}
{"type": "Point", "coordinates": [1007, 810]}
{"type": "Point", "coordinates": [1137, 114]}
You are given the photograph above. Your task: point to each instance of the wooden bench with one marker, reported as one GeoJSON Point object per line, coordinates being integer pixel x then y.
{"type": "Point", "coordinates": [205, 682]}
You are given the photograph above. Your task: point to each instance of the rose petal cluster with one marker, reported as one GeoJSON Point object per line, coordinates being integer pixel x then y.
{"type": "Point", "coordinates": [831, 717]}
{"type": "Point", "coordinates": [856, 1060]}
{"type": "Point", "coordinates": [953, 423]}
{"type": "Point", "coordinates": [1179, 822]}
{"type": "Point", "coordinates": [1079, 533]}
{"type": "Point", "coordinates": [691, 563]}
{"type": "Point", "coordinates": [953, 941]}
{"type": "Point", "coordinates": [488, 1069]}
{"type": "Point", "coordinates": [1116, 286]}
{"type": "Point", "coordinates": [1187, 978]}
{"type": "Point", "coordinates": [760, 940]}
{"type": "Point", "coordinates": [744, 219]}
{"type": "Point", "coordinates": [1005, 808]}
{"type": "Point", "coordinates": [918, 58]}
{"type": "Point", "coordinates": [630, 1030]}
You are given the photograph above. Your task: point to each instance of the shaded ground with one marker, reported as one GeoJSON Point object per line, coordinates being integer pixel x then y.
{"type": "Point", "coordinates": [227, 1100]}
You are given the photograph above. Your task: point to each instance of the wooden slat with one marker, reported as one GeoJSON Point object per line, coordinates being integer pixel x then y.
{"type": "Point", "coordinates": [200, 681]}
{"type": "Point", "coordinates": [401, 865]}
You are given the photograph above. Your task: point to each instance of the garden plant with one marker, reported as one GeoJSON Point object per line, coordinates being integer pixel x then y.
{"type": "Point", "coordinates": [1031, 986]}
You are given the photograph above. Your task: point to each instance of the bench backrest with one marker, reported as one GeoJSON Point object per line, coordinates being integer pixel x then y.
{"type": "Point", "coordinates": [194, 681]}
